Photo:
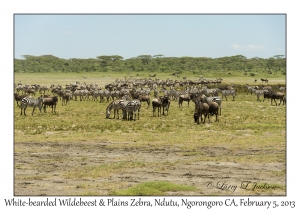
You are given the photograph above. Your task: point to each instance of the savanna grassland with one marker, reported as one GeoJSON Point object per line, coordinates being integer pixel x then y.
{"type": "Point", "coordinates": [76, 151]}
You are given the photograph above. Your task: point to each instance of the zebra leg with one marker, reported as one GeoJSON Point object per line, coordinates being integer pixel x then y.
{"type": "Point", "coordinates": [33, 110]}
{"type": "Point", "coordinates": [24, 110]}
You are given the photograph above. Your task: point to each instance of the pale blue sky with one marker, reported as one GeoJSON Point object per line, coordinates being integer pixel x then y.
{"type": "Point", "coordinates": [89, 36]}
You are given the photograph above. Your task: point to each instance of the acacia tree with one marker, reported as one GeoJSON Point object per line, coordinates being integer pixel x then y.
{"type": "Point", "coordinates": [145, 59]}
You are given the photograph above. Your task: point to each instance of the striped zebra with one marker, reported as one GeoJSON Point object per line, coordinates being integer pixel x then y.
{"type": "Point", "coordinates": [104, 93]}
{"type": "Point", "coordinates": [226, 93]}
{"type": "Point", "coordinates": [31, 102]}
{"type": "Point", "coordinates": [130, 108]}
{"type": "Point", "coordinates": [251, 89]}
{"type": "Point", "coordinates": [155, 93]}
{"type": "Point", "coordinates": [259, 93]}
{"type": "Point", "coordinates": [209, 92]}
{"type": "Point", "coordinates": [282, 89]}
{"type": "Point", "coordinates": [116, 105]}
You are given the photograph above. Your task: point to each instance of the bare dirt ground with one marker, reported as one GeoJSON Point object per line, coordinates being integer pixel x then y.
{"type": "Point", "coordinates": [42, 170]}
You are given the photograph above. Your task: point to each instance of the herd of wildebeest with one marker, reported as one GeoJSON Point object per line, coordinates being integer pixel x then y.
{"type": "Point", "coordinates": [126, 95]}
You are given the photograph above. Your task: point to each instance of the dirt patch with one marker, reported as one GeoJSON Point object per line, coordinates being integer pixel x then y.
{"type": "Point", "coordinates": [43, 169]}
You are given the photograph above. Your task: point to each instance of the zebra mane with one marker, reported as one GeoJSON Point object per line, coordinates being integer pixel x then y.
{"type": "Point", "coordinates": [109, 106]}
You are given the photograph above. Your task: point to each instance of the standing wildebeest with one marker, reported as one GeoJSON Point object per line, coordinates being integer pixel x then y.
{"type": "Point", "coordinates": [142, 98]}
{"type": "Point", "coordinates": [275, 95]}
{"type": "Point", "coordinates": [264, 80]}
{"type": "Point", "coordinates": [19, 98]}
{"type": "Point", "coordinates": [50, 101]}
{"type": "Point", "coordinates": [66, 97]}
{"type": "Point", "coordinates": [165, 104]}
{"type": "Point", "coordinates": [157, 103]}
{"type": "Point", "coordinates": [213, 107]}
{"type": "Point", "coordinates": [185, 97]}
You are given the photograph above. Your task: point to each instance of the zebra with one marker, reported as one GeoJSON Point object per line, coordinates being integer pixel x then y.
{"type": "Point", "coordinates": [130, 108]}
{"type": "Point", "coordinates": [155, 93]}
{"type": "Point", "coordinates": [259, 93]}
{"type": "Point", "coordinates": [209, 92]}
{"type": "Point", "coordinates": [104, 93]}
{"type": "Point", "coordinates": [174, 94]}
{"type": "Point", "coordinates": [31, 102]}
{"type": "Point", "coordinates": [116, 105]}
{"type": "Point", "coordinates": [282, 89]}
{"type": "Point", "coordinates": [226, 93]}
{"type": "Point", "coordinates": [251, 89]}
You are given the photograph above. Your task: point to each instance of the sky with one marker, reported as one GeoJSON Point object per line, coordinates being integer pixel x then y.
{"type": "Point", "coordinates": [195, 35]}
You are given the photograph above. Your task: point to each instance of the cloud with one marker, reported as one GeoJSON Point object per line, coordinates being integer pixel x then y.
{"type": "Point", "coordinates": [248, 47]}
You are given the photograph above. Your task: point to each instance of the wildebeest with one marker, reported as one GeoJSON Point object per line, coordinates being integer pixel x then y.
{"type": "Point", "coordinates": [156, 103]}
{"type": "Point", "coordinates": [19, 98]}
{"type": "Point", "coordinates": [274, 96]}
{"type": "Point", "coordinates": [50, 101]}
{"type": "Point", "coordinates": [154, 75]}
{"type": "Point", "coordinates": [264, 80]}
{"type": "Point", "coordinates": [166, 102]}
{"type": "Point", "coordinates": [185, 97]}
{"type": "Point", "coordinates": [142, 98]}
{"type": "Point", "coordinates": [201, 109]}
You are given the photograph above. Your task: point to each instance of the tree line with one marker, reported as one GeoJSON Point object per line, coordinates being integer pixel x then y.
{"type": "Point", "coordinates": [155, 63]}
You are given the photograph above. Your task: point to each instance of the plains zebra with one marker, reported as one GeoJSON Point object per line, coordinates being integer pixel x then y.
{"type": "Point", "coordinates": [104, 93]}
{"type": "Point", "coordinates": [116, 105]}
{"type": "Point", "coordinates": [130, 108]}
{"type": "Point", "coordinates": [155, 93]}
{"type": "Point", "coordinates": [259, 93]}
{"type": "Point", "coordinates": [226, 93]}
{"type": "Point", "coordinates": [174, 94]}
{"type": "Point", "coordinates": [251, 89]}
{"type": "Point", "coordinates": [282, 89]}
{"type": "Point", "coordinates": [31, 102]}
{"type": "Point", "coordinates": [209, 92]}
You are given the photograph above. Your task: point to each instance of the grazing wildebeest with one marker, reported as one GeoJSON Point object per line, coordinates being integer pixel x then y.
{"type": "Point", "coordinates": [154, 75]}
{"type": "Point", "coordinates": [200, 110]}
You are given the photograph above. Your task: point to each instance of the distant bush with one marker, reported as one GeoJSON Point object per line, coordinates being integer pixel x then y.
{"type": "Point", "coordinates": [252, 74]}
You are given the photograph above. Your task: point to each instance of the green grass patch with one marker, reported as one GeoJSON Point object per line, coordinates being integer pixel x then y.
{"type": "Point", "coordinates": [153, 188]}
